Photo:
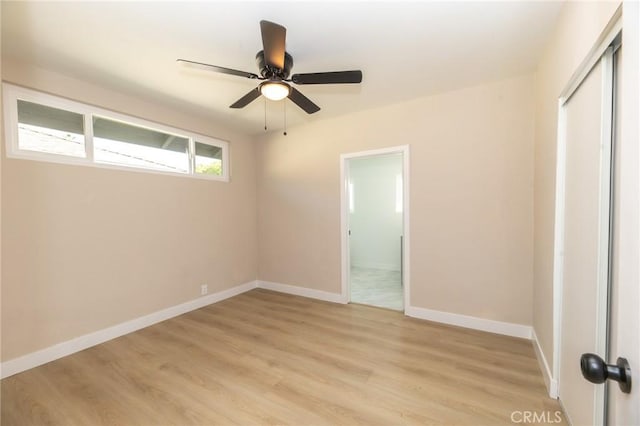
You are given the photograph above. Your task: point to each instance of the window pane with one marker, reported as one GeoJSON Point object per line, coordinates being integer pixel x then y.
{"type": "Point", "coordinates": [120, 143]}
{"type": "Point", "coordinates": [208, 159]}
{"type": "Point", "coordinates": [46, 129]}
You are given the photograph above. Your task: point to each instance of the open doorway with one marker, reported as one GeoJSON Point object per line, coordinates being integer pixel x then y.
{"type": "Point", "coordinates": [374, 244]}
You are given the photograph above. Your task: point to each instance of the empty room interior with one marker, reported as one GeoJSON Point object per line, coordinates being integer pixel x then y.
{"type": "Point", "coordinates": [311, 213]}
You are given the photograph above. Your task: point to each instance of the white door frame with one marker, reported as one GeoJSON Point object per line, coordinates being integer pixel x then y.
{"type": "Point", "coordinates": [344, 217]}
{"type": "Point", "coordinates": [597, 53]}
{"type": "Point", "coordinates": [624, 408]}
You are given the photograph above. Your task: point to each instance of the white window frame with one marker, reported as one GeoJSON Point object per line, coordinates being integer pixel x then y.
{"type": "Point", "coordinates": [13, 93]}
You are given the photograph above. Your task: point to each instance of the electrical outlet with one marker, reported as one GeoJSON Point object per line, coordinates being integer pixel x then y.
{"type": "Point", "coordinates": [204, 289]}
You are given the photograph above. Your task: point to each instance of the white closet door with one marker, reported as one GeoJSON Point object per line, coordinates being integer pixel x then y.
{"type": "Point", "coordinates": [586, 240]}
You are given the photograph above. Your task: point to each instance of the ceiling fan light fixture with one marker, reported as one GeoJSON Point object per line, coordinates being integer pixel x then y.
{"type": "Point", "coordinates": [275, 90]}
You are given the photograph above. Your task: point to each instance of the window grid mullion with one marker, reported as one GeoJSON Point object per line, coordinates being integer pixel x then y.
{"type": "Point", "coordinates": [192, 156]}
{"type": "Point", "coordinates": [88, 137]}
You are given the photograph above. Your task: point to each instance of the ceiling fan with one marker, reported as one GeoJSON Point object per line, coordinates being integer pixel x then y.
{"type": "Point", "coordinates": [275, 66]}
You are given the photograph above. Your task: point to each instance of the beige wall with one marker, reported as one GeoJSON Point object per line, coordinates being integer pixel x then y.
{"type": "Point", "coordinates": [577, 29]}
{"type": "Point", "coordinates": [86, 248]}
{"type": "Point", "coordinates": [471, 198]}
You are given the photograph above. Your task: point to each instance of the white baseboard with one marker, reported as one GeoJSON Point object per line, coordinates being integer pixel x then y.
{"type": "Point", "coordinates": [549, 381]}
{"type": "Point", "coordinates": [34, 359]}
{"type": "Point", "coordinates": [499, 327]}
{"type": "Point", "coordinates": [373, 265]}
{"type": "Point", "coordinates": [302, 291]}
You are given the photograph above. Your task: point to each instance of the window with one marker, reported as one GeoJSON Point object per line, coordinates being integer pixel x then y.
{"type": "Point", "coordinates": [208, 159]}
{"type": "Point", "coordinates": [399, 190]}
{"type": "Point", "coordinates": [47, 128]}
{"type": "Point", "coordinates": [122, 143]}
{"type": "Point", "coordinates": [351, 205]}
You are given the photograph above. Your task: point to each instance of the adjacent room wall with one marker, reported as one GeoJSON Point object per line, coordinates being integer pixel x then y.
{"type": "Point", "coordinates": [471, 170]}
{"type": "Point", "coordinates": [375, 222]}
{"type": "Point", "coordinates": [577, 29]}
{"type": "Point", "coordinates": [87, 248]}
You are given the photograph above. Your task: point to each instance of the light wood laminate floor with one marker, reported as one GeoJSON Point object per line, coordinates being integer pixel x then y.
{"type": "Point", "coordinates": [270, 358]}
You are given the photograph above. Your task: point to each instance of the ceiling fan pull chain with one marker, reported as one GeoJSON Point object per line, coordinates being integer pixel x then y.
{"type": "Point", "coordinates": [265, 114]}
{"type": "Point", "coordinates": [285, 117]}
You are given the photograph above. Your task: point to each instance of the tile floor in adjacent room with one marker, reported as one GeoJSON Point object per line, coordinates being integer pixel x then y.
{"type": "Point", "coordinates": [377, 287]}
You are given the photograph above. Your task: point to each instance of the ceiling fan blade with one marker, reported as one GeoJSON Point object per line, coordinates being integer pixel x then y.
{"type": "Point", "coordinates": [246, 99]}
{"type": "Point", "coordinates": [216, 68]}
{"type": "Point", "coordinates": [336, 77]}
{"type": "Point", "coordinates": [273, 42]}
{"type": "Point", "coordinates": [302, 101]}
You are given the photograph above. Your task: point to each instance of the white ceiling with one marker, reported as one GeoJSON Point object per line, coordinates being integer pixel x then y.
{"type": "Point", "coordinates": [404, 49]}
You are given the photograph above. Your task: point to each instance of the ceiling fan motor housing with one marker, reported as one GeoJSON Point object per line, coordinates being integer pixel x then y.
{"type": "Point", "coordinates": [270, 72]}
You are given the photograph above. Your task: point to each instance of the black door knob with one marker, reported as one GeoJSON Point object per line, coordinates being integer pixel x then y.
{"type": "Point", "coordinates": [595, 370]}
